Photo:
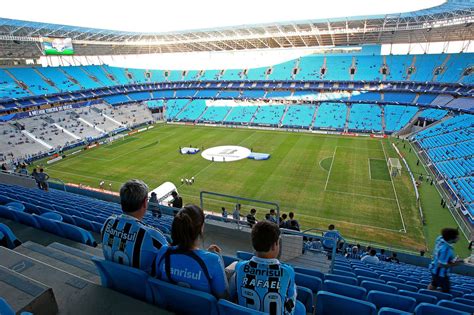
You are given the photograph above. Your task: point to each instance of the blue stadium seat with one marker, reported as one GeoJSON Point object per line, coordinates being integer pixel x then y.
{"type": "Point", "coordinates": [5, 308]}
{"type": "Point", "coordinates": [77, 234]}
{"type": "Point", "coordinates": [437, 294]}
{"type": "Point", "coordinates": [362, 278]}
{"type": "Point", "coordinates": [306, 297]}
{"type": "Point", "coordinates": [244, 255]}
{"type": "Point", "coordinates": [182, 300]}
{"type": "Point", "coordinates": [403, 286]}
{"type": "Point", "coordinates": [25, 218]}
{"type": "Point", "coordinates": [226, 307]}
{"type": "Point", "coordinates": [348, 290]}
{"type": "Point", "coordinates": [391, 311]}
{"type": "Point", "coordinates": [464, 301]}
{"type": "Point", "coordinates": [127, 280]}
{"type": "Point", "coordinates": [430, 309]}
{"type": "Point", "coordinates": [419, 297]}
{"type": "Point", "coordinates": [11, 240]}
{"type": "Point", "coordinates": [18, 206]}
{"type": "Point", "coordinates": [7, 213]}
{"type": "Point", "coordinates": [313, 283]}
{"type": "Point", "coordinates": [366, 273]}
{"type": "Point", "coordinates": [343, 273]}
{"type": "Point", "coordinates": [469, 296]}
{"type": "Point", "coordinates": [384, 299]}
{"type": "Point", "coordinates": [311, 272]}
{"type": "Point", "coordinates": [456, 306]}
{"type": "Point", "coordinates": [52, 216]}
{"type": "Point", "coordinates": [387, 278]}
{"type": "Point", "coordinates": [343, 279]}
{"type": "Point", "coordinates": [328, 303]}
{"type": "Point", "coordinates": [229, 259]}
{"type": "Point", "coordinates": [456, 293]}
{"type": "Point", "coordinates": [370, 285]}
{"type": "Point", "coordinates": [48, 225]}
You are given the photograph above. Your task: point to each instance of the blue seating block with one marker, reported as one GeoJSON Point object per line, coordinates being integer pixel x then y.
{"type": "Point", "coordinates": [384, 299]}
{"type": "Point", "coordinates": [430, 309]}
{"type": "Point", "coordinates": [124, 279]}
{"type": "Point", "coordinates": [328, 303]}
{"type": "Point", "coordinates": [348, 290]}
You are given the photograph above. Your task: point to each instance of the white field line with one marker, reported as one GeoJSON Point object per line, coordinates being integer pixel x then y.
{"type": "Point", "coordinates": [395, 192]}
{"type": "Point", "coordinates": [361, 195]}
{"type": "Point", "coordinates": [327, 157]}
{"type": "Point", "coordinates": [330, 168]}
{"type": "Point", "coordinates": [370, 175]}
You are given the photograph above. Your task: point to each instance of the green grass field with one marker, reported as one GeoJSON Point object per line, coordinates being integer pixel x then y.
{"type": "Point", "coordinates": [323, 179]}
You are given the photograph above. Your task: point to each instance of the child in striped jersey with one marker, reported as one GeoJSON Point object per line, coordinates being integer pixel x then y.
{"type": "Point", "coordinates": [263, 283]}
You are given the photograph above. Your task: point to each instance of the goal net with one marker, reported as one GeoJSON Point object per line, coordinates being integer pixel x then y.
{"type": "Point", "coordinates": [394, 166]}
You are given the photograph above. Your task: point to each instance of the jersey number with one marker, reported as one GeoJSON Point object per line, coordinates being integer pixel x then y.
{"type": "Point", "coordinates": [271, 301]}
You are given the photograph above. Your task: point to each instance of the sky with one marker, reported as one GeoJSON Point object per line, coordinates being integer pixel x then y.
{"type": "Point", "coordinates": [176, 15]}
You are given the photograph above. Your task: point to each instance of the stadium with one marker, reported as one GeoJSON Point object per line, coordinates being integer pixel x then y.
{"type": "Point", "coordinates": [365, 123]}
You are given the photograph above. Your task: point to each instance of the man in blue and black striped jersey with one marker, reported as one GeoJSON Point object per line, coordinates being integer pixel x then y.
{"type": "Point", "coordinates": [443, 259]}
{"type": "Point", "coordinates": [263, 283]}
{"type": "Point", "coordinates": [125, 239]}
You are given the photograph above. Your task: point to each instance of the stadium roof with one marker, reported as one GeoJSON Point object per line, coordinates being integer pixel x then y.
{"type": "Point", "coordinates": [447, 22]}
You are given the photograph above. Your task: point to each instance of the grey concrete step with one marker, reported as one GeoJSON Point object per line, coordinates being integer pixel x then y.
{"type": "Point", "coordinates": [25, 294]}
{"type": "Point", "coordinates": [95, 251]}
{"type": "Point", "coordinates": [312, 260]}
{"type": "Point", "coordinates": [75, 295]}
{"type": "Point", "coordinates": [72, 251]}
{"type": "Point", "coordinates": [80, 267]}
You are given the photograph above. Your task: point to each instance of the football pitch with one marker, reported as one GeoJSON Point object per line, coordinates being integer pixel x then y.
{"type": "Point", "coordinates": [322, 178]}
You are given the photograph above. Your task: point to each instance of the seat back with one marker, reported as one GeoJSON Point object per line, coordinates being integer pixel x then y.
{"type": "Point", "coordinates": [311, 272]}
{"type": "Point", "coordinates": [362, 278]}
{"type": "Point", "coordinates": [419, 297]}
{"type": "Point", "coordinates": [307, 281]}
{"type": "Point", "coordinates": [343, 279]}
{"type": "Point", "coordinates": [229, 259]}
{"type": "Point", "coordinates": [18, 206]}
{"type": "Point", "coordinates": [344, 289]}
{"type": "Point", "coordinates": [7, 213]}
{"type": "Point", "coordinates": [370, 285]}
{"type": "Point", "coordinates": [437, 294]}
{"type": "Point", "coordinates": [77, 234]}
{"type": "Point", "coordinates": [392, 311]}
{"type": "Point", "coordinates": [328, 303]}
{"type": "Point", "coordinates": [384, 299]}
{"type": "Point", "coordinates": [343, 273]}
{"type": "Point", "coordinates": [464, 301]}
{"type": "Point", "coordinates": [48, 225]}
{"type": "Point", "coordinates": [83, 223]}
{"type": "Point", "coordinates": [457, 306]}
{"type": "Point", "coordinates": [5, 308]}
{"type": "Point", "coordinates": [11, 240]}
{"type": "Point", "coordinates": [124, 279]}
{"type": "Point", "coordinates": [402, 286]}
{"type": "Point", "coordinates": [365, 273]}
{"type": "Point", "coordinates": [430, 309]}
{"type": "Point", "coordinates": [387, 278]}
{"type": "Point", "coordinates": [244, 255]}
{"type": "Point", "coordinates": [182, 300]}
{"type": "Point", "coordinates": [226, 307]}
{"type": "Point", "coordinates": [306, 297]}
{"type": "Point", "coordinates": [52, 216]}
{"type": "Point", "coordinates": [26, 218]}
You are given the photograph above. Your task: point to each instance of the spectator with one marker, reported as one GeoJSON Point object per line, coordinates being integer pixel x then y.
{"type": "Point", "coordinates": [329, 237]}
{"type": "Point", "coordinates": [236, 213]}
{"type": "Point", "coordinates": [184, 263]}
{"type": "Point", "coordinates": [267, 217]}
{"type": "Point", "coordinates": [153, 205]}
{"type": "Point", "coordinates": [4, 167]}
{"type": "Point", "coordinates": [443, 259]}
{"type": "Point", "coordinates": [125, 239]}
{"type": "Point", "coordinates": [23, 170]}
{"type": "Point", "coordinates": [366, 252]}
{"type": "Point", "coordinates": [251, 220]}
{"type": "Point", "coordinates": [316, 244]}
{"type": "Point", "coordinates": [177, 201]}
{"type": "Point", "coordinates": [382, 256]}
{"type": "Point", "coordinates": [224, 213]}
{"type": "Point", "coordinates": [371, 258]}
{"type": "Point", "coordinates": [354, 253]}
{"type": "Point", "coordinates": [293, 225]}
{"type": "Point", "coordinates": [255, 280]}
{"type": "Point", "coordinates": [35, 174]}
{"type": "Point", "coordinates": [283, 222]}
{"type": "Point", "coordinates": [393, 258]}
{"type": "Point", "coordinates": [43, 179]}
{"type": "Point", "coordinates": [291, 216]}
{"type": "Point", "coordinates": [273, 216]}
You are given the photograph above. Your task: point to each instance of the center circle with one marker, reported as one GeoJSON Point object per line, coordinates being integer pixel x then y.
{"type": "Point", "coordinates": [226, 153]}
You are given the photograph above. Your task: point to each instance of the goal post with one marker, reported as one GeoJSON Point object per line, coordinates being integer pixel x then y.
{"type": "Point", "coordinates": [394, 166]}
